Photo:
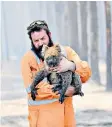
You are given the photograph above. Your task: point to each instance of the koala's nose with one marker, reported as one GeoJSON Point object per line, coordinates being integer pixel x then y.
{"type": "Point", "coordinates": [51, 62]}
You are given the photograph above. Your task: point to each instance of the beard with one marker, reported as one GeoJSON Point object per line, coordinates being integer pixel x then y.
{"type": "Point", "coordinates": [39, 49]}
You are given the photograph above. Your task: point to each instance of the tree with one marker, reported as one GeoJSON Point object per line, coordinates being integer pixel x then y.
{"type": "Point", "coordinates": [84, 45]}
{"type": "Point", "coordinates": [108, 53]}
{"type": "Point", "coordinates": [59, 8]}
{"type": "Point", "coordinates": [94, 42]}
{"type": "Point", "coordinates": [74, 39]}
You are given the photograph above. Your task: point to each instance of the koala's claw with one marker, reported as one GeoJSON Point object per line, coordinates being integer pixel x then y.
{"type": "Point", "coordinates": [61, 99]}
{"type": "Point", "coordinates": [57, 88]}
{"type": "Point", "coordinates": [81, 94]}
{"type": "Point", "coordinates": [59, 92]}
{"type": "Point", "coordinates": [54, 89]}
{"type": "Point", "coordinates": [34, 93]}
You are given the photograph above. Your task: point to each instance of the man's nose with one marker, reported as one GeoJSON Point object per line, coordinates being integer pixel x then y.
{"type": "Point", "coordinates": [40, 43]}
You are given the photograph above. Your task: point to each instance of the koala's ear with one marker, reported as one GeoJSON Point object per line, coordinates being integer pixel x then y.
{"type": "Point", "coordinates": [58, 47]}
{"type": "Point", "coordinates": [44, 49]}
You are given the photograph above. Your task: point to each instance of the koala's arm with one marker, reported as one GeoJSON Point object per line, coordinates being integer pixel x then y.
{"type": "Point", "coordinates": [82, 67]}
{"type": "Point", "coordinates": [39, 77]}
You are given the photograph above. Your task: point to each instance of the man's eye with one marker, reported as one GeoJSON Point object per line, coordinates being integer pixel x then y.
{"type": "Point", "coordinates": [36, 41]}
{"type": "Point", "coordinates": [42, 38]}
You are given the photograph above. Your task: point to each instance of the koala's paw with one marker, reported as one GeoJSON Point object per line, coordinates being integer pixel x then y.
{"type": "Point", "coordinates": [57, 88]}
{"type": "Point", "coordinates": [59, 92]}
{"type": "Point", "coordinates": [81, 94]}
{"type": "Point", "coordinates": [54, 89]}
{"type": "Point", "coordinates": [62, 98]}
{"type": "Point", "coordinates": [34, 93]}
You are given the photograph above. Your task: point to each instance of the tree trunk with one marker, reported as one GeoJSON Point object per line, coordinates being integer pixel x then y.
{"type": "Point", "coordinates": [59, 8]}
{"type": "Point", "coordinates": [108, 53]}
{"type": "Point", "coordinates": [94, 42]}
{"type": "Point", "coordinates": [66, 24]}
{"type": "Point", "coordinates": [74, 40]}
{"type": "Point", "coordinates": [84, 45]}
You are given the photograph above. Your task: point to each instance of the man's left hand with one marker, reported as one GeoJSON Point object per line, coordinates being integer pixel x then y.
{"type": "Point", "coordinates": [70, 91]}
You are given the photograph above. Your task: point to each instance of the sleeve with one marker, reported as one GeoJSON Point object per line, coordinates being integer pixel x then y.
{"type": "Point", "coordinates": [26, 74]}
{"type": "Point", "coordinates": [82, 67]}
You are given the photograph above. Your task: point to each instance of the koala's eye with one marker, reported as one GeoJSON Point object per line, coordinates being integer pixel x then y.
{"type": "Point", "coordinates": [47, 59]}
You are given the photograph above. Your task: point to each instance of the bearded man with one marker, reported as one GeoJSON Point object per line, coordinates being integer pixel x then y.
{"type": "Point", "coordinates": [46, 111]}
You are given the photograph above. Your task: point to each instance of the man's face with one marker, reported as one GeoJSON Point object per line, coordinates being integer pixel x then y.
{"type": "Point", "coordinates": [39, 38]}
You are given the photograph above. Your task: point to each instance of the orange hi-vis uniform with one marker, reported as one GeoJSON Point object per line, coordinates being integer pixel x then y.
{"type": "Point", "coordinates": [46, 111]}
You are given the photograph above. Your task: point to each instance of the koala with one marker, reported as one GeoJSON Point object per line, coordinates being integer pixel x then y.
{"type": "Point", "coordinates": [60, 81]}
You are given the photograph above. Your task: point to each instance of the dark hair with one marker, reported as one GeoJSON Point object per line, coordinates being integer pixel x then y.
{"type": "Point", "coordinates": [37, 25]}
{"type": "Point", "coordinates": [38, 29]}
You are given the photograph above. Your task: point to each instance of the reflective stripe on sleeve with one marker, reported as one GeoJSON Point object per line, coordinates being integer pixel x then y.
{"type": "Point", "coordinates": [28, 89]}
{"type": "Point", "coordinates": [40, 102]}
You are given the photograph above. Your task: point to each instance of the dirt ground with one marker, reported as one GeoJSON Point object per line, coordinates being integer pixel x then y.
{"type": "Point", "coordinates": [95, 108]}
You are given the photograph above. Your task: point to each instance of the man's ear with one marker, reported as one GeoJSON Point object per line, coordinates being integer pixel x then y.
{"type": "Point", "coordinates": [44, 49]}
{"type": "Point", "coordinates": [50, 34]}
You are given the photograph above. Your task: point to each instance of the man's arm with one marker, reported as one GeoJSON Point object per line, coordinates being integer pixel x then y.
{"type": "Point", "coordinates": [30, 81]}
{"type": "Point", "coordinates": [27, 74]}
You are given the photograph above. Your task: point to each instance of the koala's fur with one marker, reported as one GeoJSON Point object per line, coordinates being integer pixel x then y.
{"type": "Point", "coordinates": [60, 81]}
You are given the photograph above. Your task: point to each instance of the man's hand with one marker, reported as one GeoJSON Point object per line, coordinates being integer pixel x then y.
{"type": "Point", "coordinates": [70, 91]}
{"type": "Point", "coordinates": [64, 66]}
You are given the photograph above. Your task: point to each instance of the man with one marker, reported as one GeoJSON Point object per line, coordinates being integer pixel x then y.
{"type": "Point", "coordinates": [46, 111]}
